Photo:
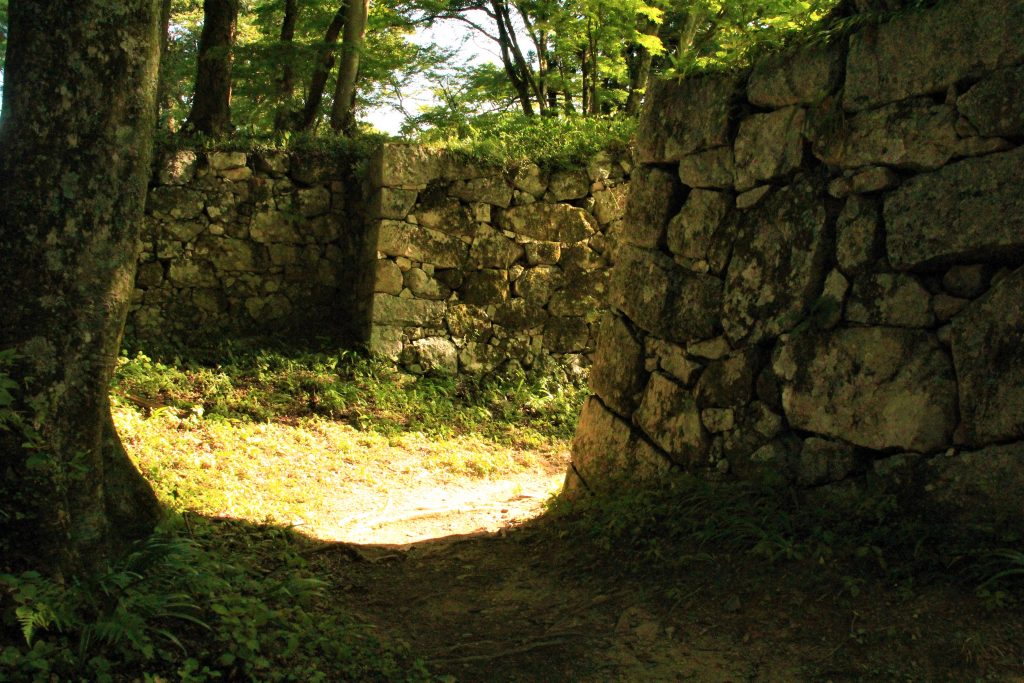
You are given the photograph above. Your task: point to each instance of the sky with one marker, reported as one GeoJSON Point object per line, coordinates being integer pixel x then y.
{"type": "Point", "coordinates": [472, 49]}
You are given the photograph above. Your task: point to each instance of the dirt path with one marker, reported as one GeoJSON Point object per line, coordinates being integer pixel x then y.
{"type": "Point", "coordinates": [519, 604]}
{"type": "Point", "coordinates": [432, 510]}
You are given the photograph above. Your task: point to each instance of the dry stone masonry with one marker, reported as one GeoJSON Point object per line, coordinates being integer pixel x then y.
{"type": "Point", "coordinates": [820, 273]}
{"type": "Point", "coordinates": [238, 243]}
{"type": "Point", "coordinates": [480, 267]}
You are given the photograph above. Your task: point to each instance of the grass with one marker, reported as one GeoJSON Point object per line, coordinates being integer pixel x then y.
{"type": "Point", "coordinates": [243, 451]}
{"type": "Point", "coordinates": [271, 437]}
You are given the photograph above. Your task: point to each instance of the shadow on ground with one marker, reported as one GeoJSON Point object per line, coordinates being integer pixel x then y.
{"type": "Point", "coordinates": [530, 604]}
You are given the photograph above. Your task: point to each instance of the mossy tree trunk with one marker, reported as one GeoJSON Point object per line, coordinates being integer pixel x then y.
{"type": "Point", "coordinates": [75, 149]}
{"type": "Point", "coordinates": [211, 96]}
{"type": "Point", "coordinates": [343, 117]}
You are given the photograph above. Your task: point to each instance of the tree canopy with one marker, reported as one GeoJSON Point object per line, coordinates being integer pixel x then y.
{"type": "Point", "coordinates": [284, 65]}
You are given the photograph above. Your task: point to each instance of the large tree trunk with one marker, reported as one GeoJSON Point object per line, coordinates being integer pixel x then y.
{"type": "Point", "coordinates": [286, 86]}
{"type": "Point", "coordinates": [75, 148]}
{"type": "Point", "coordinates": [343, 118]}
{"type": "Point", "coordinates": [306, 120]}
{"type": "Point", "coordinates": [211, 97]}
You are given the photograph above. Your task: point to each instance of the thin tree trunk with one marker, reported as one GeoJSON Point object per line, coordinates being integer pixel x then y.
{"type": "Point", "coordinates": [211, 97]}
{"type": "Point", "coordinates": [585, 70]}
{"type": "Point", "coordinates": [318, 81]}
{"type": "Point", "coordinates": [343, 108]}
{"type": "Point", "coordinates": [75, 152]}
{"type": "Point", "coordinates": [512, 65]}
{"type": "Point", "coordinates": [639, 78]}
{"type": "Point", "coordinates": [164, 99]}
{"type": "Point", "coordinates": [595, 102]}
{"type": "Point", "coordinates": [286, 85]}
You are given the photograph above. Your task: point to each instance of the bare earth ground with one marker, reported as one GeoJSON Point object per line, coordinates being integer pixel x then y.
{"type": "Point", "coordinates": [451, 564]}
{"type": "Point", "coordinates": [480, 596]}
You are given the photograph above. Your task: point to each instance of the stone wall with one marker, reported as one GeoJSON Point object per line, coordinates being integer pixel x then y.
{"type": "Point", "coordinates": [821, 274]}
{"type": "Point", "coordinates": [262, 243]}
{"type": "Point", "coordinates": [480, 267]}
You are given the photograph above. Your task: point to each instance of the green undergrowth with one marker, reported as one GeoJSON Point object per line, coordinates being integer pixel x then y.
{"type": "Point", "coordinates": [261, 385]}
{"type": "Point", "coordinates": [210, 600]}
{"type": "Point", "coordinates": [550, 142]}
{"type": "Point", "coordinates": [851, 539]}
{"type": "Point", "coordinates": [348, 153]}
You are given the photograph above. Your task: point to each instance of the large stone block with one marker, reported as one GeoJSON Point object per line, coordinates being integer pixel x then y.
{"type": "Point", "coordinates": [655, 195]}
{"type": "Point", "coordinates": [915, 134]}
{"type": "Point", "coordinates": [491, 249]}
{"type": "Point", "coordinates": [434, 354]}
{"type": "Point", "coordinates": [988, 350]}
{"type": "Point", "coordinates": [387, 277]}
{"type": "Point", "coordinates": [610, 204]}
{"type": "Point", "coordinates": [769, 146]}
{"type": "Point", "coordinates": [878, 387]}
{"type": "Point", "coordinates": [569, 184]}
{"type": "Point", "coordinates": [985, 486]}
{"type": "Point", "coordinates": [778, 265]}
{"type": "Point", "coordinates": [681, 118]}
{"type": "Point", "coordinates": [713, 168]}
{"type": "Point", "coordinates": [926, 52]}
{"type": "Point", "coordinates": [485, 287]}
{"type": "Point", "coordinates": [445, 214]}
{"type": "Point", "coordinates": [228, 255]}
{"type": "Point", "coordinates": [404, 166]}
{"type": "Point", "coordinates": [889, 299]}
{"type": "Point", "coordinates": [729, 381]}
{"type": "Point", "coordinates": [389, 202]}
{"type": "Point", "coordinates": [538, 284]}
{"type": "Point", "coordinates": [618, 374]}
{"type": "Point", "coordinates": [423, 286]}
{"type": "Point", "coordinates": [566, 335]}
{"type": "Point", "coordinates": [395, 311]}
{"type": "Point", "coordinates": [858, 234]}
{"type": "Point", "coordinates": [995, 105]}
{"type": "Point", "coordinates": [669, 415]}
{"type": "Point", "coordinates": [494, 190]}
{"type": "Point", "coordinates": [270, 227]}
{"type": "Point", "coordinates": [806, 76]}
{"type": "Point", "coordinates": [606, 452]}
{"type": "Point", "coordinates": [703, 232]}
{"type": "Point", "coordinates": [664, 298]}
{"type": "Point", "coordinates": [972, 210]}
{"type": "Point", "coordinates": [518, 314]}
{"type": "Point", "coordinates": [549, 222]}
{"type": "Point", "coordinates": [420, 244]}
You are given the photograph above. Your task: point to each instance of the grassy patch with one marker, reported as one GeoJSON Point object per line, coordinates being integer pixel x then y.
{"type": "Point", "coordinates": [272, 437]}
{"type": "Point", "coordinates": [514, 139]}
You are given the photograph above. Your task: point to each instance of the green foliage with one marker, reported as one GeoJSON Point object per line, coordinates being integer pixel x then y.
{"type": "Point", "coordinates": [511, 139]}
{"type": "Point", "coordinates": [260, 385]}
{"type": "Point", "coordinates": [236, 603]}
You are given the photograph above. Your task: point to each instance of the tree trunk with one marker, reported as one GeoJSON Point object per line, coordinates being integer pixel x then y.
{"type": "Point", "coordinates": [318, 81]}
{"type": "Point", "coordinates": [164, 100]}
{"type": "Point", "coordinates": [75, 151]}
{"type": "Point", "coordinates": [286, 86]}
{"type": "Point", "coordinates": [512, 66]}
{"type": "Point", "coordinates": [343, 118]}
{"type": "Point", "coordinates": [595, 71]}
{"type": "Point", "coordinates": [211, 97]}
{"type": "Point", "coordinates": [585, 72]}
{"type": "Point", "coordinates": [640, 76]}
